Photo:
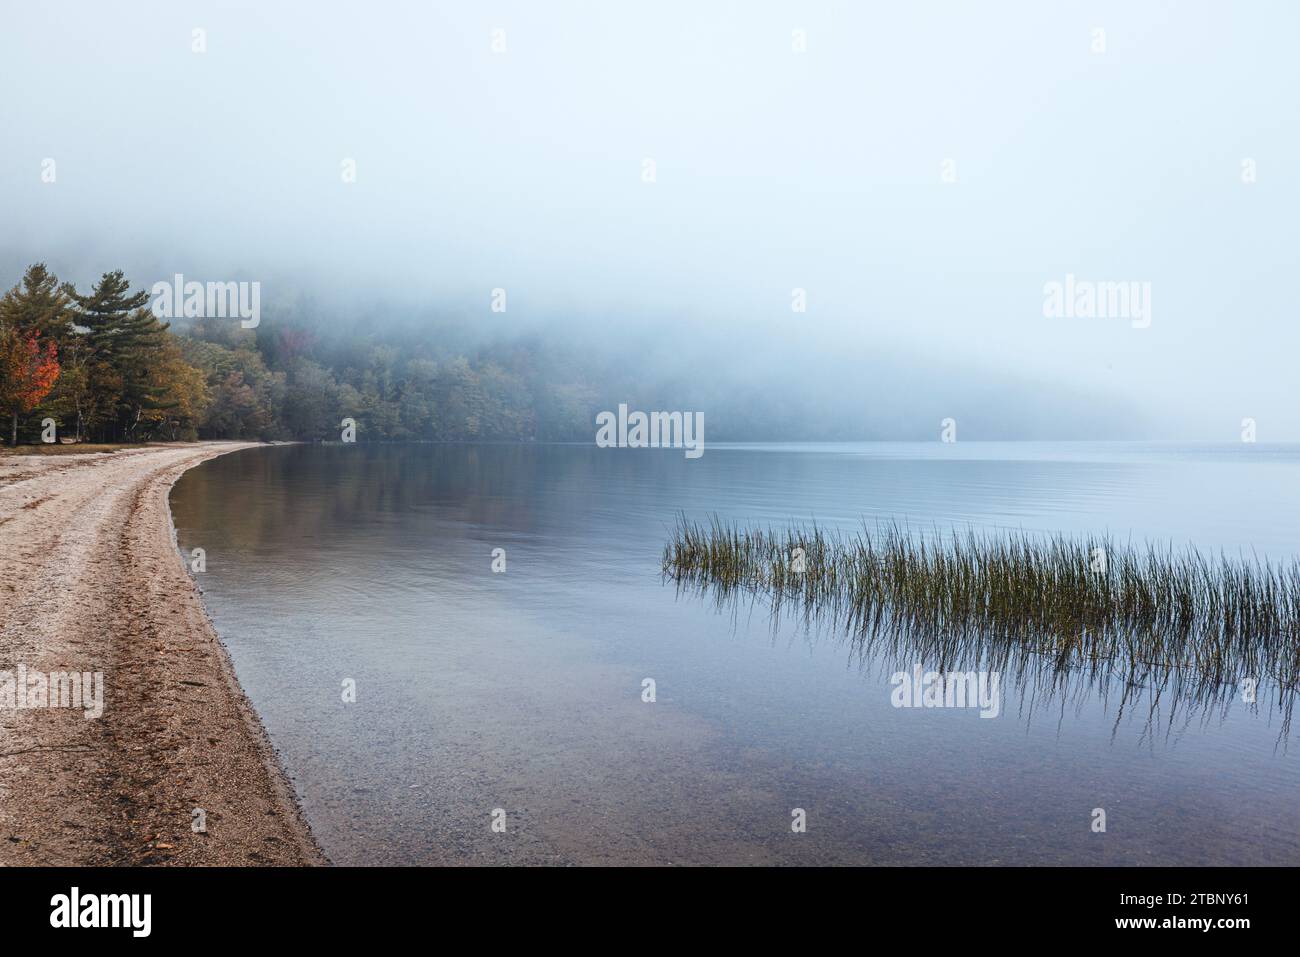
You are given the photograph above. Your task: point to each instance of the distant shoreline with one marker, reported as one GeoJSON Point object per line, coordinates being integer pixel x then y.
{"type": "Point", "coordinates": [178, 768]}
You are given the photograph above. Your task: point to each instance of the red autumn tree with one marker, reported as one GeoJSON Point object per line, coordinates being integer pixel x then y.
{"type": "Point", "coordinates": [28, 372]}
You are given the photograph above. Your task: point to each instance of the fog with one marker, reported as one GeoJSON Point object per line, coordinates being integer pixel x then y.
{"type": "Point", "coordinates": [920, 170]}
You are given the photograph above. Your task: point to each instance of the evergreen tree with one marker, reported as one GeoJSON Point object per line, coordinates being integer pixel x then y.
{"type": "Point", "coordinates": [123, 341]}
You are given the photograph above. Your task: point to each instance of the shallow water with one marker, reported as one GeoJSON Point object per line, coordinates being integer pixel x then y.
{"type": "Point", "coordinates": [522, 690]}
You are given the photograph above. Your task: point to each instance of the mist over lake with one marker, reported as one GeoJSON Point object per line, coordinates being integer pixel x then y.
{"type": "Point", "coordinates": [593, 435]}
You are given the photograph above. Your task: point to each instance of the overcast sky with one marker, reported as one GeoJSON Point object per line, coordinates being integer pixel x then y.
{"type": "Point", "coordinates": [775, 169]}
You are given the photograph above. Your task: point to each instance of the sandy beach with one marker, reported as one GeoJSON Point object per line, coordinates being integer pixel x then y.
{"type": "Point", "coordinates": [90, 582]}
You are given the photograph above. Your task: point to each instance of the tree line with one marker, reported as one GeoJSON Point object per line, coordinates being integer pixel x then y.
{"type": "Point", "coordinates": [105, 368]}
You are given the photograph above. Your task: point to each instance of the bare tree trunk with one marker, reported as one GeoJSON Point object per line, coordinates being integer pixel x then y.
{"type": "Point", "coordinates": [14, 433]}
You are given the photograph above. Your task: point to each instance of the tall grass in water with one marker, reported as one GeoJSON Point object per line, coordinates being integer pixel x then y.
{"type": "Point", "coordinates": [1074, 603]}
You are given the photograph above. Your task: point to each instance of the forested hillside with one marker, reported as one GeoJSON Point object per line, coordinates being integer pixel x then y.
{"type": "Point", "coordinates": [106, 369]}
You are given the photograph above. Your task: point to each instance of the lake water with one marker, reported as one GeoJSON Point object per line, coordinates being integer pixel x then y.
{"type": "Point", "coordinates": [522, 690]}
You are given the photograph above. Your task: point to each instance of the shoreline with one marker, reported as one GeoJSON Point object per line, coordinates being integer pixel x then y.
{"type": "Point", "coordinates": [91, 582]}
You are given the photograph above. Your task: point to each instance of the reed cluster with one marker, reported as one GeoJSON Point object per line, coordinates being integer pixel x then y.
{"type": "Point", "coordinates": [1072, 601]}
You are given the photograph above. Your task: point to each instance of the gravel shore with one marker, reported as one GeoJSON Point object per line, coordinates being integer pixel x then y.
{"type": "Point", "coordinates": [90, 581]}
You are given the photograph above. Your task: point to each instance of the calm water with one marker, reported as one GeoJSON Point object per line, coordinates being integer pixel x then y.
{"type": "Point", "coordinates": [523, 690]}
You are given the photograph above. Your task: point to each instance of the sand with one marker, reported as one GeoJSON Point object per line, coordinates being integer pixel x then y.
{"type": "Point", "coordinates": [90, 581]}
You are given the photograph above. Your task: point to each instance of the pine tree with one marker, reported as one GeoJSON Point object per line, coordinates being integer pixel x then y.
{"type": "Point", "coordinates": [123, 340]}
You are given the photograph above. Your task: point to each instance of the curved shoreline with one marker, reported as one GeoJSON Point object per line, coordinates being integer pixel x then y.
{"type": "Point", "coordinates": [91, 581]}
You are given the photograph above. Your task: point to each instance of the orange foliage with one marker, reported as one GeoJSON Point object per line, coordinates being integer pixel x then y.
{"type": "Point", "coordinates": [27, 372]}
